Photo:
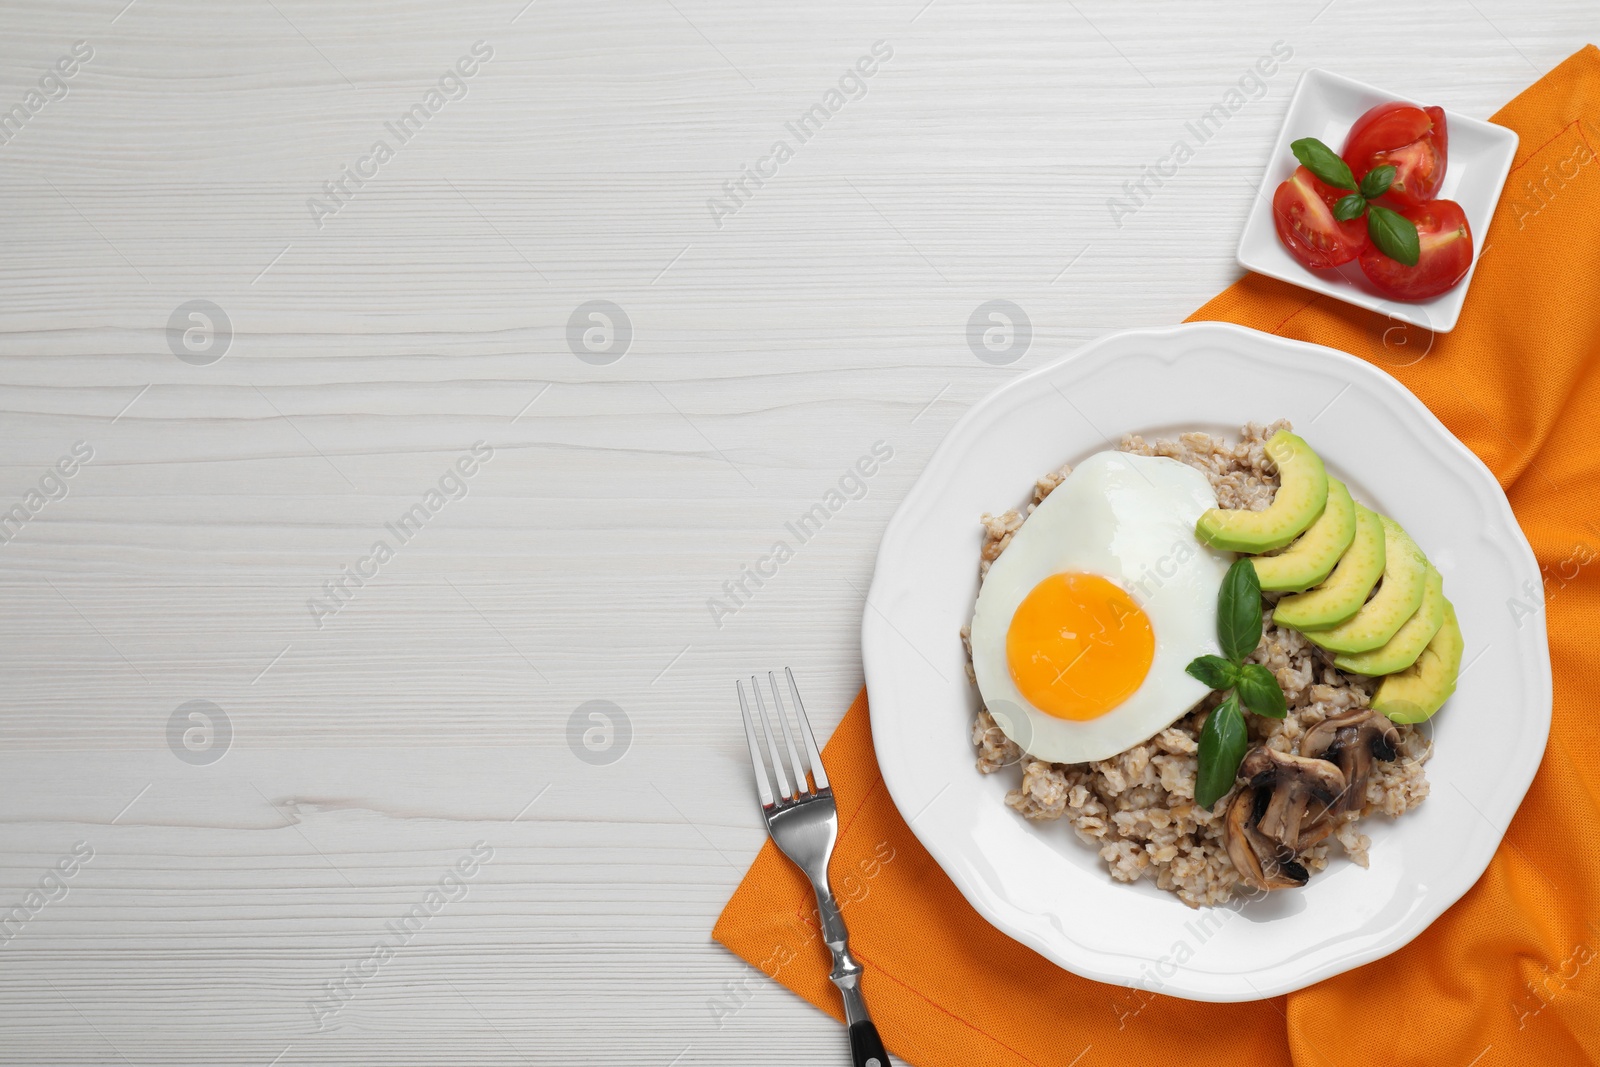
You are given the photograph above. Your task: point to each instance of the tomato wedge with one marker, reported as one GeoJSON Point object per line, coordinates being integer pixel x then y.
{"type": "Point", "coordinates": [1413, 140]}
{"type": "Point", "coordinates": [1302, 209]}
{"type": "Point", "coordinates": [1446, 242]}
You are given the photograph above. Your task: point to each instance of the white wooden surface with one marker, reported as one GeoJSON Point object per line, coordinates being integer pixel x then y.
{"type": "Point", "coordinates": [429, 313]}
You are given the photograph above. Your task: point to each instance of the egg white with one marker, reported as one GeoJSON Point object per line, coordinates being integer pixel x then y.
{"type": "Point", "coordinates": [1129, 519]}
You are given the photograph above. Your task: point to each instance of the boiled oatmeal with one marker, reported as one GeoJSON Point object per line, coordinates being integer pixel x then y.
{"type": "Point", "coordinates": [1138, 808]}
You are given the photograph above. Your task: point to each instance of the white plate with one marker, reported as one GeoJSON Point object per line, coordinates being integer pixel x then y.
{"type": "Point", "coordinates": [1036, 881]}
{"type": "Point", "coordinates": [1325, 106]}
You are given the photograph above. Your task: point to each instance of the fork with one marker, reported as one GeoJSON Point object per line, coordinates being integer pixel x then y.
{"type": "Point", "coordinates": [804, 824]}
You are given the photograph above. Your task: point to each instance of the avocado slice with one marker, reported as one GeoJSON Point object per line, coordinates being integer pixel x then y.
{"type": "Point", "coordinates": [1346, 589]}
{"type": "Point", "coordinates": [1302, 492]}
{"type": "Point", "coordinates": [1418, 691]}
{"type": "Point", "coordinates": [1402, 650]}
{"type": "Point", "coordinates": [1312, 558]}
{"type": "Point", "coordinates": [1405, 576]}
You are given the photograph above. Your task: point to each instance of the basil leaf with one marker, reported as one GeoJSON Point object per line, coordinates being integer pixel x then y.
{"type": "Point", "coordinates": [1214, 671]}
{"type": "Point", "coordinates": [1222, 743]}
{"type": "Point", "coordinates": [1377, 181]}
{"type": "Point", "coordinates": [1239, 611]}
{"type": "Point", "coordinates": [1349, 207]}
{"type": "Point", "coordinates": [1324, 162]}
{"type": "Point", "coordinates": [1259, 691]}
{"type": "Point", "coordinates": [1394, 234]}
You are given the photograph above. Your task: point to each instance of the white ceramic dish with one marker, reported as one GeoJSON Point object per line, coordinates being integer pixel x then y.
{"type": "Point", "coordinates": [1036, 881]}
{"type": "Point", "coordinates": [1325, 105]}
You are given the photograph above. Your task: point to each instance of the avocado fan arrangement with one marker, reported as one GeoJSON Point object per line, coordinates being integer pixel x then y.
{"type": "Point", "coordinates": [1359, 586]}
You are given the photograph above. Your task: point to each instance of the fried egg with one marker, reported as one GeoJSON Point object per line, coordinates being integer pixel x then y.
{"type": "Point", "coordinates": [1085, 623]}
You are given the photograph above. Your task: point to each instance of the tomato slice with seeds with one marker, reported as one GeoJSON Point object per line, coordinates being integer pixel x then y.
{"type": "Point", "coordinates": [1302, 210]}
{"type": "Point", "coordinates": [1413, 140]}
{"type": "Point", "coordinates": [1446, 243]}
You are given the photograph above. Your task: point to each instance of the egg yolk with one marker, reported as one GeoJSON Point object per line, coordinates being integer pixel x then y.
{"type": "Point", "coordinates": [1078, 646]}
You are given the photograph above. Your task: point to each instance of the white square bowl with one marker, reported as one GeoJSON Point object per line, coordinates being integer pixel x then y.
{"type": "Point", "coordinates": [1325, 106]}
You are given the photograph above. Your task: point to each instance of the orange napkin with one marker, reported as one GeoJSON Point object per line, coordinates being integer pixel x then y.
{"type": "Point", "coordinates": [1511, 973]}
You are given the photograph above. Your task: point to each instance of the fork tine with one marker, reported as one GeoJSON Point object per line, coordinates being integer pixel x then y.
{"type": "Point", "coordinates": [772, 746]}
{"type": "Point", "coordinates": [762, 781]}
{"type": "Point", "coordinates": [807, 737]}
{"type": "Point", "coordinates": [801, 785]}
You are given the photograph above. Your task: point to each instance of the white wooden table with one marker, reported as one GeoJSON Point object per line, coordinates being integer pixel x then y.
{"type": "Point", "coordinates": [244, 865]}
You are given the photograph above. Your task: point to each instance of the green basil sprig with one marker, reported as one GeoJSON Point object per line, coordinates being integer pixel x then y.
{"type": "Point", "coordinates": [1377, 181]}
{"type": "Point", "coordinates": [1223, 738]}
{"type": "Point", "coordinates": [1324, 162]}
{"type": "Point", "coordinates": [1214, 671]}
{"type": "Point", "coordinates": [1239, 611]}
{"type": "Point", "coordinates": [1349, 207]}
{"type": "Point", "coordinates": [1393, 233]}
{"type": "Point", "coordinates": [1259, 691]}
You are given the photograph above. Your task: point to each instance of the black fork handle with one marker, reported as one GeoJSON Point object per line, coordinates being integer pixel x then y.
{"type": "Point", "coordinates": [865, 1048]}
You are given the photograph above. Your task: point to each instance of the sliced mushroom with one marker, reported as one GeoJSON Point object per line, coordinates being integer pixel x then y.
{"type": "Point", "coordinates": [1352, 740]}
{"type": "Point", "coordinates": [1298, 787]}
{"type": "Point", "coordinates": [1261, 863]}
